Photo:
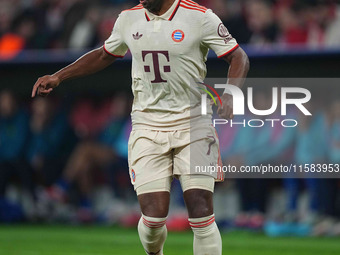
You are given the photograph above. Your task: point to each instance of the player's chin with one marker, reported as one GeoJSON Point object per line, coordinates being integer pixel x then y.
{"type": "Point", "coordinates": [151, 5]}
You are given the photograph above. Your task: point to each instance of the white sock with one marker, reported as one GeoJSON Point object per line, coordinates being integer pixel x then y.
{"type": "Point", "coordinates": [152, 233]}
{"type": "Point", "coordinates": [207, 238]}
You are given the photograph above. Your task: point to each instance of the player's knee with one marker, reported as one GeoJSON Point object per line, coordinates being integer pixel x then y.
{"type": "Point", "coordinates": [155, 204]}
{"type": "Point", "coordinates": [198, 194]}
{"type": "Point", "coordinates": [151, 212]}
{"type": "Point", "coordinates": [199, 202]}
{"type": "Point", "coordinates": [159, 211]}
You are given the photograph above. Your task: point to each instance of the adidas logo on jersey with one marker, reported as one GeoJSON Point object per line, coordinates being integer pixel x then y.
{"type": "Point", "coordinates": [137, 36]}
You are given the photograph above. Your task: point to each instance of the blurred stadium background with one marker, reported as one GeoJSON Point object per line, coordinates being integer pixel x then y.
{"type": "Point", "coordinates": [63, 160]}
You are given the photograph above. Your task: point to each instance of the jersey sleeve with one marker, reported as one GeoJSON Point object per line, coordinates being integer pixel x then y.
{"type": "Point", "coordinates": [216, 36]}
{"type": "Point", "coordinates": [115, 44]}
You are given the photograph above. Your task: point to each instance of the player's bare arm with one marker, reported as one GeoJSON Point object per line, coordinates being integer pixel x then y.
{"type": "Point", "coordinates": [239, 67]}
{"type": "Point", "coordinates": [89, 63]}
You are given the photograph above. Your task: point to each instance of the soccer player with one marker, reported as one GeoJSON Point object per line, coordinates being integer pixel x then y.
{"type": "Point", "coordinates": [169, 41]}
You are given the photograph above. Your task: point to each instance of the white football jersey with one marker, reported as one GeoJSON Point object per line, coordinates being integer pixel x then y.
{"type": "Point", "coordinates": [168, 53]}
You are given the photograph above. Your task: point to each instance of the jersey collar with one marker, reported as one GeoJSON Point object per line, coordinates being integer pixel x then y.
{"type": "Point", "coordinates": [169, 15]}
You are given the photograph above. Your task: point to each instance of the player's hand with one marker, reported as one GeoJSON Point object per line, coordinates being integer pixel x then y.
{"type": "Point", "coordinates": [44, 85]}
{"type": "Point", "coordinates": [225, 110]}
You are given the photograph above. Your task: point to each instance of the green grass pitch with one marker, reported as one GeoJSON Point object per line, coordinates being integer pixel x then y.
{"type": "Point", "coordinates": [95, 240]}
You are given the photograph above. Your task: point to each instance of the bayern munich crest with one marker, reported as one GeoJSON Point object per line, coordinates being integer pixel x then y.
{"type": "Point", "coordinates": [178, 35]}
{"type": "Point", "coordinates": [133, 175]}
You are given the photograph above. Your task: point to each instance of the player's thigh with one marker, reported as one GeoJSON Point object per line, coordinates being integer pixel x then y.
{"type": "Point", "coordinates": [150, 157]}
{"type": "Point", "coordinates": [201, 155]}
{"type": "Point", "coordinates": [154, 197]}
{"type": "Point", "coordinates": [198, 194]}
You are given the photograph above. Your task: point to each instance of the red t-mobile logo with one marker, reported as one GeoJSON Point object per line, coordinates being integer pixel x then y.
{"type": "Point", "coordinates": [156, 66]}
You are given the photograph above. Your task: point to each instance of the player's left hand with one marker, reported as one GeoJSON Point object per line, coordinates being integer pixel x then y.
{"type": "Point", "coordinates": [225, 110]}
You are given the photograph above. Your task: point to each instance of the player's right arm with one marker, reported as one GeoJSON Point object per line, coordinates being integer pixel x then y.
{"type": "Point", "coordinates": [89, 63]}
